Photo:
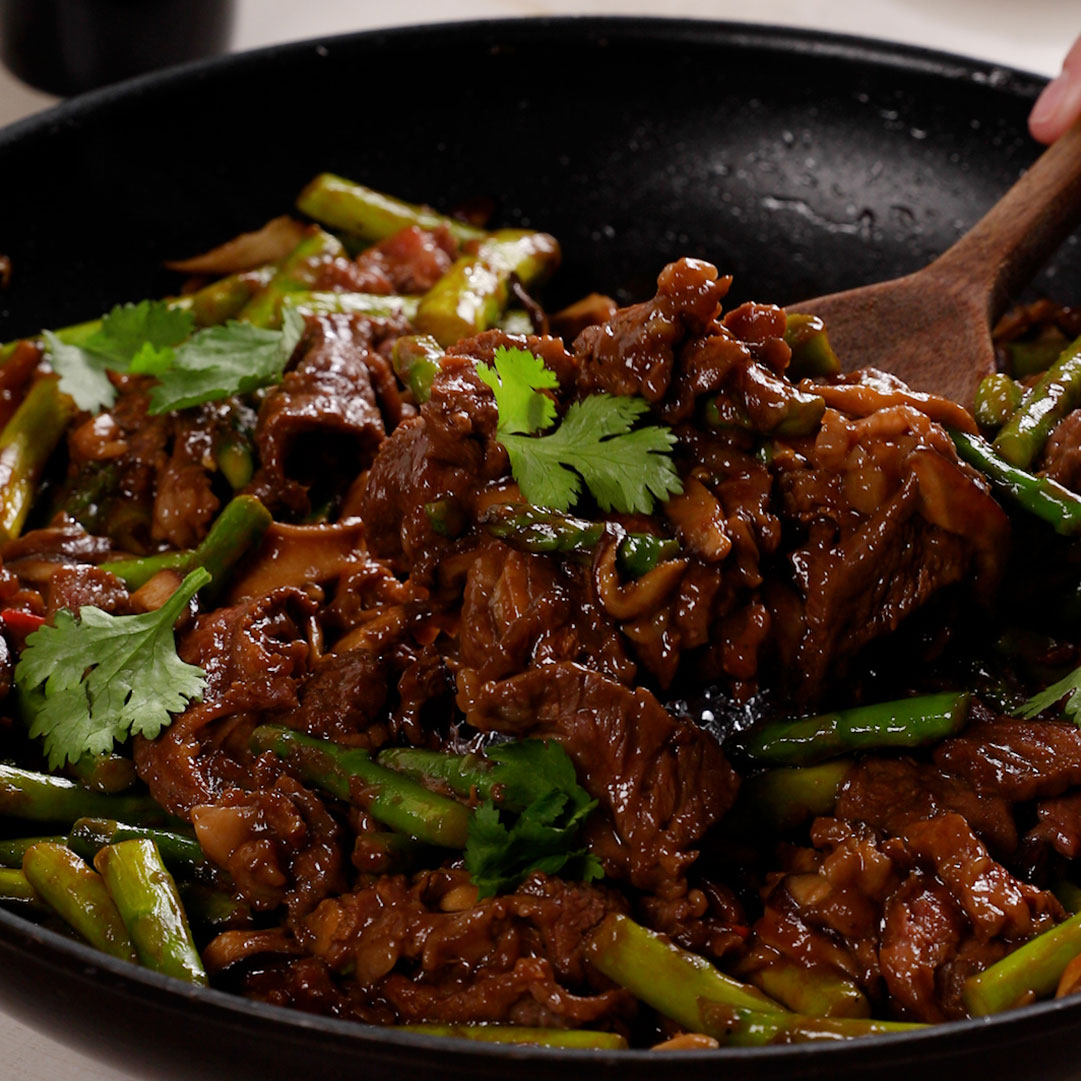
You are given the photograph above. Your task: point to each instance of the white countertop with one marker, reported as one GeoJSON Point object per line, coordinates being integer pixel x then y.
{"type": "Point", "coordinates": [1033, 35]}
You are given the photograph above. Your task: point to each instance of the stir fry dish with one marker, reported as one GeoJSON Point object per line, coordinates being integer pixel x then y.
{"type": "Point", "coordinates": [381, 644]}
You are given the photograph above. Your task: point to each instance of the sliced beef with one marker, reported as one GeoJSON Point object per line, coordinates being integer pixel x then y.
{"type": "Point", "coordinates": [279, 845]}
{"type": "Point", "coordinates": [79, 584]}
{"type": "Point", "coordinates": [1017, 760]}
{"type": "Point", "coordinates": [634, 352]}
{"type": "Point", "coordinates": [445, 455]}
{"type": "Point", "coordinates": [255, 656]}
{"type": "Point", "coordinates": [661, 782]}
{"type": "Point", "coordinates": [344, 700]}
{"type": "Point", "coordinates": [997, 904]}
{"type": "Point", "coordinates": [410, 261]}
{"type": "Point", "coordinates": [324, 420]}
{"type": "Point", "coordinates": [432, 952]}
{"type": "Point", "coordinates": [922, 931]}
{"type": "Point", "coordinates": [890, 519]}
{"type": "Point", "coordinates": [184, 501]}
{"type": "Point", "coordinates": [1062, 455]}
{"type": "Point", "coordinates": [891, 794]}
{"type": "Point", "coordinates": [521, 609]}
{"type": "Point", "coordinates": [1059, 825]}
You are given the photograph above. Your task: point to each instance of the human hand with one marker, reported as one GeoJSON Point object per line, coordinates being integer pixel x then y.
{"type": "Point", "coordinates": [1060, 103]}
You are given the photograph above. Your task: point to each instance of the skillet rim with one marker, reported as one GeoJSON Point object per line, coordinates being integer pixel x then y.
{"type": "Point", "coordinates": [174, 995]}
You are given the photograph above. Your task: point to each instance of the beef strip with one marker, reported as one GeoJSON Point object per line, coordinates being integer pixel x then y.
{"type": "Point", "coordinates": [255, 656]}
{"type": "Point", "coordinates": [344, 700]}
{"type": "Point", "coordinates": [1017, 760]}
{"type": "Point", "coordinates": [279, 845]}
{"type": "Point", "coordinates": [520, 609]}
{"type": "Point", "coordinates": [634, 352]}
{"type": "Point", "coordinates": [324, 419]}
{"type": "Point", "coordinates": [890, 518]}
{"type": "Point", "coordinates": [430, 951]}
{"type": "Point", "coordinates": [893, 793]}
{"type": "Point", "coordinates": [1061, 459]}
{"type": "Point", "coordinates": [77, 584]}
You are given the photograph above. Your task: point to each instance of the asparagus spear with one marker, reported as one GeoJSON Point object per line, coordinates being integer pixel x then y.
{"type": "Point", "coordinates": [13, 849]}
{"type": "Point", "coordinates": [14, 886]}
{"type": "Point", "coordinates": [818, 991]}
{"type": "Point", "coordinates": [224, 299]}
{"type": "Point", "coordinates": [416, 359]}
{"type": "Point", "coordinates": [671, 980]}
{"type": "Point", "coordinates": [179, 851]}
{"type": "Point", "coordinates": [785, 798]}
{"type": "Point", "coordinates": [465, 774]}
{"type": "Point", "coordinates": [77, 894]}
{"type": "Point", "coordinates": [545, 1037]}
{"type": "Point", "coordinates": [107, 772]}
{"type": "Point", "coordinates": [550, 532]}
{"type": "Point", "coordinates": [447, 517]}
{"type": "Point", "coordinates": [541, 531]}
{"type": "Point", "coordinates": [746, 1028]}
{"type": "Point", "coordinates": [351, 775]}
{"type": "Point", "coordinates": [369, 215]}
{"type": "Point", "coordinates": [1032, 970]}
{"type": "Point", "coordinates": [26, 443]}
{"type": "Point", "coordinates": [238, 528]}
{"type": "Point", "coordinates": [37, 797]}
{"type": "Point", "coordinates": [1069, 895]}
{"type": "Point", "coordinates": [329, 303]}
{"type": "Point", "coordinates": [474, 292]}
{"type": "Point", "coordinates": [295, 274]}
{"type": "Point", "coordinates": [148, 902]}
{"type": "Point", "coordinates": [1056, 394]}
{"type": "Point", "coordinates": [213, 910]}
{"type": "Point", "coordinates": [235, 458]}
{"type": "Point", "coordinates": [812, 354]}
{"type": "Point", "coordinates": [1030, 358]}
{"type": "Point", "coordinates": [694, 994]}
{"type": "Point", "coordinates": [908, 722]}
{"type": "Point", "coordinates": [997, 398]}
{"type": "Point", "coordinates": [1041, 496]}
{"type": "Point", "coordinates": [639, 553]}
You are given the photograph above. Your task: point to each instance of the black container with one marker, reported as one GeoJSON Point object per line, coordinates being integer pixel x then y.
{"type": "Point", "coordinates": [68, 46]}
{"type": "Point", "coordinates": [802, 163]}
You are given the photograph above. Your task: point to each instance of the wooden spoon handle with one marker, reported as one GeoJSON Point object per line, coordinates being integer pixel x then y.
{"type": "Point", "coordinates": [1005, 248]}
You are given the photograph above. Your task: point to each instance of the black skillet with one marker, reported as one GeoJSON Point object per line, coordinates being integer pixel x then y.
{"type": "Point", "coordinates": [802, 163]}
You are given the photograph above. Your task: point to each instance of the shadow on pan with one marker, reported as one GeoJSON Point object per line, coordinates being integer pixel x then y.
{"type": "Point", "coordinates": [801, 163]}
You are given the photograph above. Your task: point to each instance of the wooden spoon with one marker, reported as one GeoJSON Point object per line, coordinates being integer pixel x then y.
{"type": "Point", "coordinates": [933, 328]}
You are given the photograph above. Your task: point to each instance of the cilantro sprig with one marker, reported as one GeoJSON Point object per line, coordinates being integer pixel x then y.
{"type": "Point", "coordinates": [503, 848]}
{"type": "Point", "coordinates": [625, 468]}
{"type": "Point", "coordinates": [94, 681]}
{"type": "Point", "coordinates": [1070, 684]}
{"type": "Point", "coordinates": [192, 367]}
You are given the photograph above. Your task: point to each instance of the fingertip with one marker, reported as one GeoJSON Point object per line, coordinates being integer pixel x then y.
{"type": "Point", "coordinates": [1043, 121]}
{"type": "Point", "coordinates": [1057, 107]}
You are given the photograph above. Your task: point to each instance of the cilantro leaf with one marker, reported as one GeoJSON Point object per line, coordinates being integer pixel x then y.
{"type": "Point", "coordinates": [516, 381]}
{"type": "Point", "coordinates": [131, 329]}
{"type": "Point", "coordinates": [625, 469]}
{"type": "Point", "coordinates": [538, 777]}
{"type": "Point", "coordinates": [82, 374]}
{"type": "Point", "coordinates": [233, 359]}
{"type": "Point", "coordinates": [1070, 684]}
{"type": "Point", "coordinates": [155, 338]}
{"type": "Point", "coordinates": [106, 677]}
